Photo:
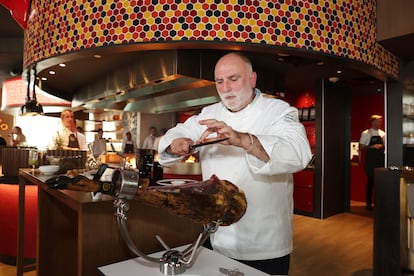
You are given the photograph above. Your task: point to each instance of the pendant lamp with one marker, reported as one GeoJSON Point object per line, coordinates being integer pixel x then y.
{"type": "Point", "coordinates": [31, 107]}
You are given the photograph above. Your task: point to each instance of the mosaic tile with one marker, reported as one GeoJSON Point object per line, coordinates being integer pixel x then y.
{"type": "Point", "coordinates": [339, 28]}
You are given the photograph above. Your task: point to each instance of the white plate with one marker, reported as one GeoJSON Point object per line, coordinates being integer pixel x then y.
{"type": "Point", "coordinates": [49, 169]}
{"type": "Point", "coordinates": [174, 182]}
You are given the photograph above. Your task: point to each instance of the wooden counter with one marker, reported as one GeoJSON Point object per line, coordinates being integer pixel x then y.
{"type": "Point", "coordinates": [20, 157]}
{"type": "Point", "coordinates": [391, 231]}
{"type": "Point", "coordinates": [77, 234]}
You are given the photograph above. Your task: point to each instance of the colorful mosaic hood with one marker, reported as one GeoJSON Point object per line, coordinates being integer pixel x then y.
{"type": "Point", "coordinates": [340, 28]}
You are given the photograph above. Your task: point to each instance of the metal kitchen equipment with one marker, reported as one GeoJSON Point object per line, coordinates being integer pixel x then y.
{"type": "Point", "coordinates": [144, 161]}
{"type": "Point", "coordinates": [172, 262]}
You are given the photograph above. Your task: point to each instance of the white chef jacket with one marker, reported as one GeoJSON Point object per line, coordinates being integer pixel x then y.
{"type": "Point", "coordinates": [265, 231]}
{"type": "Point", "coordinates": [368, 133]}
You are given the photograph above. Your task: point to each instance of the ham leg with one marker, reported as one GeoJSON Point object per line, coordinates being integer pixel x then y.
{"type": "Point", "coordinates": [203, 202]}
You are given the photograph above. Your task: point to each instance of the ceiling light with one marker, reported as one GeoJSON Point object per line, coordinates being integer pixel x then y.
{"type": "Point", "coordinates": [333, 79]}
{"type": "Point", "coordinates": [43, 78]}
{"type": "Point", "coordinates": [339, 71]}
{"type": "Point", "coordinates": [52, 72]}
{"type": "Point", "coordinates": [283, 55]}
{"type": "Point", "coordinates": [97, 56]}
{"type": "Point", "coordinates": [62, 65]}
{"type": "Point", "coordinates": [320, 63]}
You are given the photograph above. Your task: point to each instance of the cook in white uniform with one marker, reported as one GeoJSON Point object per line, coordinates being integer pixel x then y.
{"type": "Point", "coordinates": [67, 135]}
{"type": "Point", "coordinates": [266, 144]}
{"type": "Point", "coordinates": [373, 142]}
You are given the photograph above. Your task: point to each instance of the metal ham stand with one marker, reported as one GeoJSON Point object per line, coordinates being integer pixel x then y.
{"type": "Point", "coordinates": [172, 262]}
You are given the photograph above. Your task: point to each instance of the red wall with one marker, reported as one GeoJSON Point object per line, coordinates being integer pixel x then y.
{"type": "Point", "coordinates": [301, 100]}
{"type": "Point", "coordinates": [362, 107]}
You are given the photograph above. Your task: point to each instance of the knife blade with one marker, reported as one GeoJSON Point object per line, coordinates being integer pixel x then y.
{"type": "Point", "coordinates": [208, 143]}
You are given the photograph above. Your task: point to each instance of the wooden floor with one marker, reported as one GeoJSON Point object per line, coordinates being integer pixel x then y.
{"type": "Point", "coordinates": [340, 245]}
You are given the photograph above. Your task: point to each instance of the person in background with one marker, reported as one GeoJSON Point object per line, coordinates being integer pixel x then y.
{"type": "Point", "coordinates": [373, 142]}
{"type": "Point", "coordinates": [67, 136]}
{"type": "Point", "coordinates": [3, 141]}
{"type": "Point", "coordinates": [17, 138]}
{"type": "Point", "coordinates": [99, 144]}
{"type": "Point", "coordinates": [157, 140]}
{"type": "Point", "coordinates": [149, 140]}
{"type": "Point", "coordinates": [266, 144]}
{"type": "Point", "coordinates": [128, 145]}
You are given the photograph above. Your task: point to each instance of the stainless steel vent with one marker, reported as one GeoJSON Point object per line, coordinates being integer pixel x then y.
{"type": "Point", "coordinates": [156, 82]}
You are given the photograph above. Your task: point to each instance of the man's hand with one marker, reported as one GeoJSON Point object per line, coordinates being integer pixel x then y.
{"type": "Point", "coordinates": [247, 141]}
{"type": "Point", "coordinates": [180, 146]}
{"type": "Point", "coordinates": [223, 131]}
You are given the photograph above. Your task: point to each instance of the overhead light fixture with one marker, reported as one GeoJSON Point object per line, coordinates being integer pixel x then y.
{"type": "Point", "coordinates": [283, 54]}
{"type": "Point", "coordinates": [31, 107]}
{"type": "Point", "coordinates": [333, 79]}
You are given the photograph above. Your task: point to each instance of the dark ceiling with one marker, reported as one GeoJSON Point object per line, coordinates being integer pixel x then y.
{"type": "Point", "coordinates": [11, 45]}
{"type": "Point", "coordinates": [299, 72]}
{"type": "Point", "coordinates": [402, 46]}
